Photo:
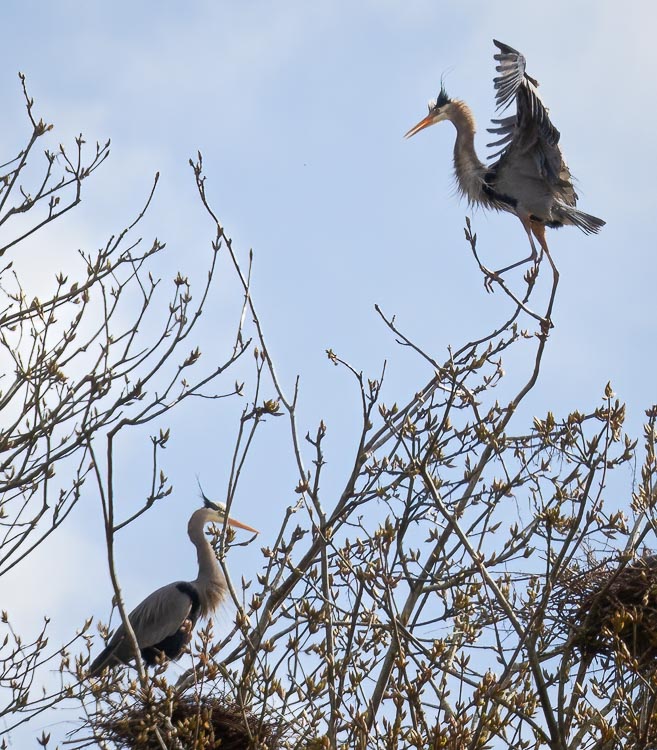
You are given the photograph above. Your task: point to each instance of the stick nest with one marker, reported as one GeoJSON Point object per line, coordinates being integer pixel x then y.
{"type": "Point", "coordinates": [611, 610]}
{"type": "Point", "coordinates": [215, 722]}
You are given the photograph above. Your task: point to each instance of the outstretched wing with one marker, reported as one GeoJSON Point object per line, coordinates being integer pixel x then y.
{"type": "Point", "coordinates": [159, 616]}
{"type": "Point", "coordinates": [529, 140]}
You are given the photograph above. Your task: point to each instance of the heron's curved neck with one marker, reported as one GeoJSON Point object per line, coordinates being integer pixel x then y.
{"type": "Point", "coordinates": [467, 165]}
{"type": "Point", "coordinates": [210, 583]}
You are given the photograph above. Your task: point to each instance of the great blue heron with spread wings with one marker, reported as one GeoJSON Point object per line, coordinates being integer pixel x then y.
{"type": "Point", "coordinates": [529, 176]}
{"type": "Point", "coordinates": [164, 621]}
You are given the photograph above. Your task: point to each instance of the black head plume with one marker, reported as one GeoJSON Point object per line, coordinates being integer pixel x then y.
{"type": "Point", "coordinates": [442, 99]}
{"type": "Point", "coordinates": [207, 503]}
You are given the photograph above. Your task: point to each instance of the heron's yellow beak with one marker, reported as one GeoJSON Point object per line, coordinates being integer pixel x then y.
{"type": "Point", "coordinates": [430, 119]}
{"type": "Point", "coordinates": [240, 525]}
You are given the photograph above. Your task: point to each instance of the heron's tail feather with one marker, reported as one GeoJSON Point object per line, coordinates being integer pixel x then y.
{"type": "Point", "coordinates": [105, 658]}
{"type": "Point", "coordinates": [587, 223]}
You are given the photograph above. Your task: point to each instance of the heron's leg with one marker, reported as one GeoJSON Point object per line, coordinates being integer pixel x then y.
{"type": "Point", "coordinates": [539, 233]}
{"type": "Point", "coordinates": [527, 224]}
{"type": "Point", "coordinates": [529, 258]}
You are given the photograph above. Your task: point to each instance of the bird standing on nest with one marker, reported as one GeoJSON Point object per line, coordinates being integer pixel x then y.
{"type": "Point", "coordinates": [530, 177]}
{"type": "Point", "coordinates": [163, 623]}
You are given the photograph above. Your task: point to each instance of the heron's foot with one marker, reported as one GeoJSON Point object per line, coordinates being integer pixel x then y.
{"type": "Point", "coordinates": [531, 273]}
{"type": "Point", "coordinates": [490, 277]}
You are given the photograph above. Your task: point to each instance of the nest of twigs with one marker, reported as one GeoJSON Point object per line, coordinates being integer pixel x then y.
{"type": "Point", "coordinates": [212, 723]}
{"type": "Point", "coordinates": [611, 610]}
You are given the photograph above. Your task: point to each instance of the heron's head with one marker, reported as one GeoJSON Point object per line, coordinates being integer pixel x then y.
{"type": "Point", "coordinates": [216, 513]}
{"type": "Point", "coordinates": [439, 110]}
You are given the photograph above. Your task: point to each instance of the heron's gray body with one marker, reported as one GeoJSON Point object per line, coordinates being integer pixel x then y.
{"type": "Point", "coordinates": [164, 621]}
{"type": "Point", "coordinates": [161, 623]}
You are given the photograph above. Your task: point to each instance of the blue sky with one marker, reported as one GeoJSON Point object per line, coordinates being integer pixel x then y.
{"type": "Point", "coordinates": [299, 110]}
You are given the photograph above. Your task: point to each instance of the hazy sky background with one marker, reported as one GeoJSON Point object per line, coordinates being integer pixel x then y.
{"type": "Point", "coordinates": [299, 110]}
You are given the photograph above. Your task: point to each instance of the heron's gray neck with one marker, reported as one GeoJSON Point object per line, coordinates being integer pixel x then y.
{"type": "Point", "coordinates": [210, 583]}
{"type": "Point", "coordinates": [467, 166]}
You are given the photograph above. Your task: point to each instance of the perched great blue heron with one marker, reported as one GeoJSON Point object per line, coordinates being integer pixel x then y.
{"type": "Point", "coordinates": [164, 621]}
{"type": "Point", "coordinates": [530, 177]}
